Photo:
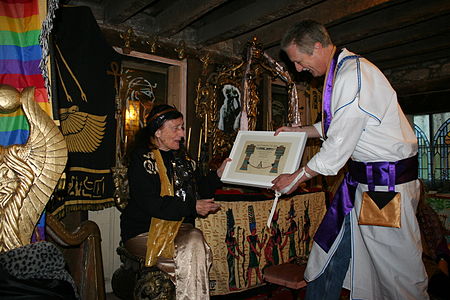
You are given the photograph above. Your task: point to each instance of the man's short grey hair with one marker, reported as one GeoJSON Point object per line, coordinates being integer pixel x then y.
{"type": "Point", "coordinates": [305, 34]}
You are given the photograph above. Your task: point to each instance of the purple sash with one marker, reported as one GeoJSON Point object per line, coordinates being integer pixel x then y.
{"type": "Point", "coordinates": [327, 93]}
{"type": "Point", "coordinates": [328, 89]}
{"type": "Point", "coordinates": [372, 173]}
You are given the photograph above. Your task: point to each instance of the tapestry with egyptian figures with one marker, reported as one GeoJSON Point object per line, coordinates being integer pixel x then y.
{"type": "Point", "coordinates": [85, 70]}
{"type": "Point", "coordinates": [243, 246]}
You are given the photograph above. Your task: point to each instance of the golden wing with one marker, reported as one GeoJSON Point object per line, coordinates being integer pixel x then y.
{"type": "Point", "coordinates": [45, 153]}
{"type": "Point", "coordinates": [83, 132]}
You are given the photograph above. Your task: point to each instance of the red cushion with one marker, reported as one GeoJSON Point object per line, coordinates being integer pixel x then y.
{"type": "Point", "coordinates": [288, 274]}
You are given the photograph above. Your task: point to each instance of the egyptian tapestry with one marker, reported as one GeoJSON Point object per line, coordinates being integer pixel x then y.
{"type": "Point", "coordinates": [243, 246]}
{"type": "Point", "coordinates": [84, 67]}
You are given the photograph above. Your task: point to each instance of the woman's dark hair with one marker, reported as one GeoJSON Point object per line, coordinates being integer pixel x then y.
{"type": "Point", "coordinates": [160, 114]}
{"type": "Point", "coordinates": [155, 119]}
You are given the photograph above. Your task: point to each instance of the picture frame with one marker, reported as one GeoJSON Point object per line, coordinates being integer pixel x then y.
{"type": "Point", "coordinates": [258, 157]}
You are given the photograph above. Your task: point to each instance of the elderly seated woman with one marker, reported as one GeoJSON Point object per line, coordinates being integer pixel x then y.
{"type": "Point", "coordinates": [164, 187]}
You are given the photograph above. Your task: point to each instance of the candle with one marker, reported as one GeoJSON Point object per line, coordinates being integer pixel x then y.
{"type": "Point", "coordinates": [188, 139]}
{"type": "Point", "coordinates": [200, 144]}
{"type": "Point", "coordinates": [206, 127]}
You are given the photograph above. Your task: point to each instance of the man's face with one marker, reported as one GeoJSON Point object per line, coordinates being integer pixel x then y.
{"type": "Point", "coordinates": [315, 63]}
{"type": "Point", "coordinates": [169, 136]}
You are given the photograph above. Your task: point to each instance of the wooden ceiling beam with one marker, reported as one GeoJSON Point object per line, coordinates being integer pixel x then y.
{"type": "Point", "coordinates": [118, 11]}
{"type": "Point", "coordinates": [247, 18]}
{"type": "Point", "coordinates": [325, 12]}
{"type": "Point", "coordinates": [407, 60]}
{"type": "Point", "coordinates": [436, 102]}
{"type": "Point", "coordinates": [181, 13]}
{"type": "Point", "coordinates": [397, 16]}
{"type": "Point", "coordinates": [430, 45]}
{"type": "Point", "coordinates": [400, 36]}
{"type": "Point", "coordinates": [420, 87]}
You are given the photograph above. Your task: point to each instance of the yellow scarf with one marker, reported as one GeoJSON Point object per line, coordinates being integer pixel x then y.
{"type": "Point", "coordinates": [162, 233]}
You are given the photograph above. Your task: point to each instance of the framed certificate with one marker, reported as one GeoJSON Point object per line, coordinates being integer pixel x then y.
{"type": "Point", "coordinates": [258, 157]}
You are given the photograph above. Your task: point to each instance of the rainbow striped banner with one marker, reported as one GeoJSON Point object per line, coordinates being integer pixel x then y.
{"type": "Point", "coordinates": [20, 54]}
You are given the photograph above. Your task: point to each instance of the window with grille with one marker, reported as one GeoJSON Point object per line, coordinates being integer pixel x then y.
{"type": "Point", "coordinates": [433, 135]}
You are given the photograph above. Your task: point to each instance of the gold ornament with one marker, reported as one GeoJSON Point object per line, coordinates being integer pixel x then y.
{"type": "Point", "coordinates": [29, 172]}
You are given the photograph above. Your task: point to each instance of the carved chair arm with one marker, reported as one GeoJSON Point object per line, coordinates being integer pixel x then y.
{"type": "Point", "coordinates": [59, 234]}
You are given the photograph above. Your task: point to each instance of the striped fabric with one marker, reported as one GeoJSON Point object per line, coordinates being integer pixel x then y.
{"type": "Point", "coordinates": [20, 54]}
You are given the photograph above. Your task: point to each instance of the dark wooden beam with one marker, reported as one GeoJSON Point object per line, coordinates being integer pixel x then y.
{"type": "Point", "coordinates": [426, 103]}
{"type": "Point", "coordinates": [396, 16]}
{"type": "Point", "coordinates": [417, 31]}
{"type": "Point", "coordinates": [415, 52]}
{"type": "Point", "coordinates": [325, 12]}
{"type": "Point", "coordinates": [421, 87]}
{"type": "Point", "coordinates": [118, 11]}
{"type": "Point", "coordinates": [246, 18]}
{"type": "Point", "coordinates": [181, 13]}
{"type": "Point", "coordinates": [424, 96]}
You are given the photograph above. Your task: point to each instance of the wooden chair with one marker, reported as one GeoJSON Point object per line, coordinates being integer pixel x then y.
{"type": "Point", "coordinates": [83, 255]}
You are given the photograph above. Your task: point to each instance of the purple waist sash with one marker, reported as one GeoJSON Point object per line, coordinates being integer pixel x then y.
{"type": "Point", "coordinates": [373, 173]}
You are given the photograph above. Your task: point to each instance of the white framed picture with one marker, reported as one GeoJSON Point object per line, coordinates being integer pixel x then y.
{"type": "Point", "coordinates": [258, 157]}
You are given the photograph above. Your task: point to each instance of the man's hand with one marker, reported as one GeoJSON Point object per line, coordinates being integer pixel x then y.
{"type": "Point", "coordinates": [205, 207]}
{"type": "Point", "coordinates": [287, 129]}
{"type": "Point", "coordinates": [222, 167]}
{"type": "Point", "coordinates": [284, 180]}
{"type": "Point", "coordinates": [311, 131]}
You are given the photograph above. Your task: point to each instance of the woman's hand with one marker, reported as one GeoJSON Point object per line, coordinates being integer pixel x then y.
{"type": "Point", "coordinates": [205, 207]}
{"type": "Point", "coordinates": [222, 167]}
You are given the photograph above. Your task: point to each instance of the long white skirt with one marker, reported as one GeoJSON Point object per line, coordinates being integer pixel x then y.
{"type": "Point", "coordinates": [386, 262]}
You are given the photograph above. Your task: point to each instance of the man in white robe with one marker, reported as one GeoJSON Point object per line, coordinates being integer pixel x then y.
{"type": "Point", "coordinates": [362, 122]}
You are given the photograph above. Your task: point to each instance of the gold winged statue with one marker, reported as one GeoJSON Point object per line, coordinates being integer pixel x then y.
{"type": "Point", "coordinates": [29, 172]}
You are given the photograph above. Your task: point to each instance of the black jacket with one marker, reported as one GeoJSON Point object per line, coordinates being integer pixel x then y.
{"type": "Point", "coordinates": [145, 188]}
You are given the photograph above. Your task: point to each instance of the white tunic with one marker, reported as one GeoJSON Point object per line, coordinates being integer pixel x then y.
{"type": "Point", "coordinates": [368, 126]}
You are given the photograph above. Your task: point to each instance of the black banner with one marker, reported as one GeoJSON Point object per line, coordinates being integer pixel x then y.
{"type": "Point", "coordinates": [86, 99]}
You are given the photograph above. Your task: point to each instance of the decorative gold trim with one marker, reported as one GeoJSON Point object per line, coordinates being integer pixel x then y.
{"type": "Point", "coordinates": [87, 170]}
{"type": "Point", "coordinates": [153, 43]}
{"type": "Point", "coordinates": [246, 76]}
{"type": "Point", "coordinates": [181, 49]}
{"type": "Point", "coordinates": [128, 37]}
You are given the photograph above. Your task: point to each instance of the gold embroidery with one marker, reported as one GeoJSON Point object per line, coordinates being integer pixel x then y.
{"type": "Point", "coordinates": [83, 94]}
{"type": "Point", "coordinates": [83, 132]}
